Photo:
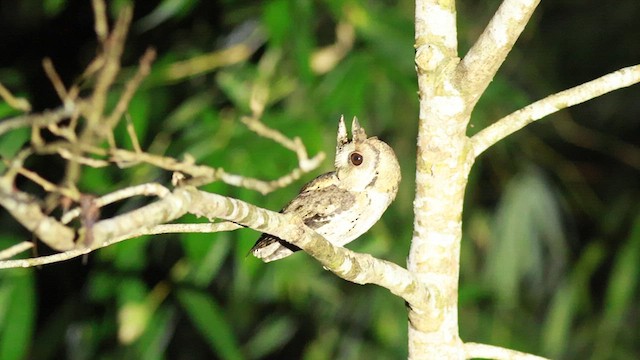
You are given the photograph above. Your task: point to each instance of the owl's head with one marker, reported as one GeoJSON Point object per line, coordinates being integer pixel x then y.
{"type": "Point", "coordinates": [365, 164]}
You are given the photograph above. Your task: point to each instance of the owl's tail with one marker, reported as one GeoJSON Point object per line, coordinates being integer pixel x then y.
{"type": "Point", "coordinates": [270, 248]}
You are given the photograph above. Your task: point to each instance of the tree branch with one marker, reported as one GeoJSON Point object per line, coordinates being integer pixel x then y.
{"type": "Point", "coordinates": [27, 211]}
{"type": "Point", "coordinates": [475, 350]}
{"type": "Point", "coordinates": [17, 103]}
{"type": "Point", "coordinates": [553, 103]}
{"type": "Point", "coordinates": [148, 189]}
{"type": "Point", "coordinates": [479, 66]}
{"type": "Point", "coordinates": [43, 119]}
{"type": "Point", "coordinates": [358, 268]}
{"type": "Point", "coordinates": [351, 266]}
{"type": "Point", "coordinates": [15, 249]}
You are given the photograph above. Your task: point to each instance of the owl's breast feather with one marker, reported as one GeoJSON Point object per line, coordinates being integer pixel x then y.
{"type": "Point", "coordinates": [350, 224]}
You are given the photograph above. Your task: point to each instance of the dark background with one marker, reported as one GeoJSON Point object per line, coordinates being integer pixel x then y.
{"type": "Point", "coordinates": [551, 249]}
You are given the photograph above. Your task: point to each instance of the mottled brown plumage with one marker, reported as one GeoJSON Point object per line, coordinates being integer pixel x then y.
{"type": "Point", "coordinates": [343, 204]}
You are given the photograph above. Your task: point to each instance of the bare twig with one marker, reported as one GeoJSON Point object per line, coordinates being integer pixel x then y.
{"type": "Point", "coordinates": [94, 66]}
{"type": "Point", "coordinates": [113, 46]}
{"type": "Point", "coordinates": [43, 260]}
{"type": "Point", "coordinates": [326, 58]}
{"type": "Point", "coordinates": [358, 268]}
{"type": "Point", "coordinates": [100, 15]}
{"type": "Point", "coordinates": [15, 249]}
{"type": "Point", "coordinates": [149, 189]}
{"type": "Point", "coordinates": [130, 89]}
{"type": "Point", "coordinates": [77, 159]}
{"type": "Point", "coordinates": [260, 93]}
{"type": "Point", "coordinates": [65, 132]}
{"type": "Point", "coordinates": [55, 79]}
{"type": "Point", "coordinates": [70, 254]}
{"type": "Point", "coordinates": [21, 104]}
{"type": "Point", "coordinates": [607, 144]}
{"type": "Point", "coordinates": [261, 129]}
{"type": "Point", "coordinates": [142, 221]}
{"type": "Point", "coordinates": [131, 131]}
{"type": "Point", "coordinates": [553, 103]}
{"type": "Point", "coordinates": [194, 228]}
{"type": "Point", "coordinates": [265, 187]}
{"type": "Point", "coordinates": [26, 210]}
{"type": "Point", "coordinates": [232, 54]}
{"type": "Point", "coordinates": [43, 119]}
{"type": "Point", "coordinates": [208, 62]}
{"type": "Point", "coordinates": [487, 54]}
{"type": "Point", "coordinates": [475, 350]}
{"type": "Point", "coordinates": [46, 184]}
{"type": "Point", "coordinates": [202, 174]}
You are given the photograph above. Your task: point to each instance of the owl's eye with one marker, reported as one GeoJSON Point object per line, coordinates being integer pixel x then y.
{"type": "Point", "coordinates": [356, 158]}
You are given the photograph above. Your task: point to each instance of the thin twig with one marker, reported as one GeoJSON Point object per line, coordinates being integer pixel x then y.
{"type": "Point", "coordinates": [113, 46]}
{"type": "Point", "coordinates": [132, 135]}
{"type": "Point", "coordinates": [43, 260]}
{"type": "Point", "coordinates": [55, 79]}
{"type": "Point", "coordinates": [261, 129]}
{"type": "Point", "coordinates": [194, 228]}
{"type": "Point", "coordinates": [77, 159]}
{"type": "Point", "coordinates": [149, 189]}
{"type": "Point", "coordinates": [325, 59]}
{"type": "Point", "coordinates": [479, 66]}
{"type": "Point", "coordinates": [42, 119]}
{"type": "Point", "coordinates": [202, 174]}
{"type": "Point", "coordinates": [130, 88]}
{"type": "Point", "coordinates": [553, 103]}
{"type": "Point", "coordinates": [17, 103]}
{"type": "Point", "coordinates": [230, 55]}
{"type": "Point", "coordinates": [15, 249]}
{"type": "Point", "coordinates": [100, 19]}
{"type": "Point", "coordinates": [46, 184]}
{"type": "Point", "coordinates": [26, 210]}
{"type": "Point", "coordinates": [484, 351]}
{"type": "Point", "coordinates": [70, 254]}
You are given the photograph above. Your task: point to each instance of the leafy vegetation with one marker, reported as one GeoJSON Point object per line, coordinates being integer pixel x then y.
{"type": "Point", "coordinates": [551, 255]}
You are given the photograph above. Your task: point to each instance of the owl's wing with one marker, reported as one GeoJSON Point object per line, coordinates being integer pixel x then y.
{"type": "Point", "coordinates": [318, 202]}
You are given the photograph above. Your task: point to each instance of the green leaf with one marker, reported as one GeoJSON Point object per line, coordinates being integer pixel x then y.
{"type": "Point", "coordinates": [206, 255]}
{"type": "Point", "coordinates": [565, 306]}
{"type": "Point", "coordinates": [236, 85]}
{"type": "Point", "coordinates": [619, 300]}
{"type": "Point", "coordinates": [135, 307]}
{"type": "Point", "coordinates": [132, 254]}
{"type": "Point", "coordinates": [11, 143]}
{"type": "Point", "coordinates": [209, 318]}
{"type": "Point", "coordinates": [53, 7]}
{"type": "Point", "coordinates": [17, 312]}
{"type": "Point", "coordinates": [528, 239]}
{"type": "Point", "coordinates": [277, 16]}
{"type": "Point", "coordinates": [272, 334]}
{"type": "Point", "coordinates": [167, 10]}
{"type": "Point", "coordinates": [323, 347]}
{"type": "Point", "coordinates": [154, 342]}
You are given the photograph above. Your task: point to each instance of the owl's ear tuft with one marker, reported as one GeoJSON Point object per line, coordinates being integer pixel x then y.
{"type": "Point", "coordinates": [342, 134]}
{"type": "Point", "coordinates": [358, 132]}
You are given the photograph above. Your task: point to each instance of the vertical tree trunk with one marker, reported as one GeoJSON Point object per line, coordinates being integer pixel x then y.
{"type": "Point", "coordinates": [444, 158]}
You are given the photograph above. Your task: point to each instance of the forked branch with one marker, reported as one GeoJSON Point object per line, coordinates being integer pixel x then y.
{"type": "Point", "coordinates": [479, 66]}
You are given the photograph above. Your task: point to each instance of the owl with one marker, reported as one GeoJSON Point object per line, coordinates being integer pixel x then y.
{"type": "Point", "coordinates": [343, 204]}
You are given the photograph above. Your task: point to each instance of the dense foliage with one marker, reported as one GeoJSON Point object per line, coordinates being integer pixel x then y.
{"type": "Point", "coordinates": [551, 255]}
